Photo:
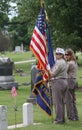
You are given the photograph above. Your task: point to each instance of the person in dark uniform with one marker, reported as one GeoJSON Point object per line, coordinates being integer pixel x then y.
{"type": "Point", "coordinates": [58, 83]}
{"type": "Point", "coordinates": [72, 112]}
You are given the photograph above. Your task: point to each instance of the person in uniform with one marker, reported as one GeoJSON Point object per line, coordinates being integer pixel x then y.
{"type": "Point", "coordinates": [58, 83]}
{"type": "Point", "coordinates": [72, 112]}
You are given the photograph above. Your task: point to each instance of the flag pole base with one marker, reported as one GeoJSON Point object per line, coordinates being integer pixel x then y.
{"type": "Point", "coordinates": [32, 99]}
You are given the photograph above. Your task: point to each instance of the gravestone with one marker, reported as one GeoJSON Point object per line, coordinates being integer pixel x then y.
{"type": "Point", "coordinates": [6, 73]}
{"type": "Point", "coordinates": [33, 75]}
{"type": "Point", "coordinates": [17, 49]}
{"type": "Point", "coordinates": [3, 117]}
{"type": "Point", "coordinates": [21, 47]}
{"type": "Point", "coordinates": [27, 114]}
{"type": "Point", "coordinates": [32, 98]}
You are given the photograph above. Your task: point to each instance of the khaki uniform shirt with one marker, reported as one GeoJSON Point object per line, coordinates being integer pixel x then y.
{"type": "Point", "coordinates": [60, 69]}
{"type": "Point", "coordinates": [71, 69]}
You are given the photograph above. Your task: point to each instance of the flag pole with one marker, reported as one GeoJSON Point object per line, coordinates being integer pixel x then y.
{"type": "Point", "coordinates": [50, 90]}
{"type": "Point", "coordinates": [15, 110]}
{"type": "Point", "coordinates": [14, 94]}
{"type": "Point", "coordinates": [51, 104]}
{"type": "Point", "coordinates": [42, 5]}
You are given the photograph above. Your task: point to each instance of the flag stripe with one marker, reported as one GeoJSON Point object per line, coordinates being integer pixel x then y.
{"type": "Point", "coordinates": [42, 62]}
{"type": "Point", "coordinates": [38, 45]}
{"type": "Point", "coordinates": [41, 37]}
{"type": "Point", "coordinates": [40, 48]}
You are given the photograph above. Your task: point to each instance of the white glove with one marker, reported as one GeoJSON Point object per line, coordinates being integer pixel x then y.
{"type": "Point", "coordinates": [48, 67]}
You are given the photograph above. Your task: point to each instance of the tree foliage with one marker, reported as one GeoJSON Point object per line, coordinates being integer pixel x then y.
{"type": "Point", "coordinates": [65, 20]}
{"type": "Point", "coordinates": [23, 24]}
{"type": "Point", "coordinates": [4, 39]}
{"type": "Point", "coordinates": [4, 6]}
{"type": "Point", "coordinates": [5, 42]}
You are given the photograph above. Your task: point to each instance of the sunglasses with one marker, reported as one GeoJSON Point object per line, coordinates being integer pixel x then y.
{"type": "Point", "coordinates": [58, 53]}
{"type": "Point", "coordinates": [66, 54]}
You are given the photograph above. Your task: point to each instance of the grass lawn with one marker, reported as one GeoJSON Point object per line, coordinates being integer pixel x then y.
{"type": "Point", "coordinates": [24, 92]}
{"type": "Point", "coordinates": [18, 56]}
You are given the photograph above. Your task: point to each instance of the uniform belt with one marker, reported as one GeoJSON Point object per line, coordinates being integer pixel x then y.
{"type": "Point", "coordinates": [56, 78]}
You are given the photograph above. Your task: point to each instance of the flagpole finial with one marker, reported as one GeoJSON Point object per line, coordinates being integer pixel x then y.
{"type": "Point", "coordinates": [42, 3]}
{"type": "Point", "coordinates": [46, 16]}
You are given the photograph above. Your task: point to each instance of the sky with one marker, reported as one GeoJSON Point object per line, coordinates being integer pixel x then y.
{"type": "Point", "coordinates": [12, 12]}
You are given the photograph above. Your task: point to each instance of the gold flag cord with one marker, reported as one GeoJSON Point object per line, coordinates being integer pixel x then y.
{"type": "Point", "coordinates": [46, 16]}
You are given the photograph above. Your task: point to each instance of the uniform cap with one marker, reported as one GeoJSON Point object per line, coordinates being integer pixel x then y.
{"type": "Point", "coordinates": [60, 50]}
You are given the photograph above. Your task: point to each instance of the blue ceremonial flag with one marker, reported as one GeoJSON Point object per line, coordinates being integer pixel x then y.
{"type": "Point", "coordinates": [51, 60]}
{"type": "Point", "coordinates": [42, 94]}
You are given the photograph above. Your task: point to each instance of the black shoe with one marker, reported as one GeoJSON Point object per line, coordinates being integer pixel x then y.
{"type": "Point", "coordinates": [59, 122]}
{"type": "Point", "coordinates": [76, 119]}
{"type": "Point", "coordinates": [71, 119]}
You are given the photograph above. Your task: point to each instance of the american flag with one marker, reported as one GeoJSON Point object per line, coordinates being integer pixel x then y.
{"type": "Point", "coordinates": [38, 41]}
{"type": "Point", "coordinates": [13, 92]}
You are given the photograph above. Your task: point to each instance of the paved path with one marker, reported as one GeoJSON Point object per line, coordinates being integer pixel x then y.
{"type": "Point", "coordinates": [15, 126]}
{"type": "Point", "coordinates": [21, 125]}
{"type": "Point", "coordinates": [26, 61]}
